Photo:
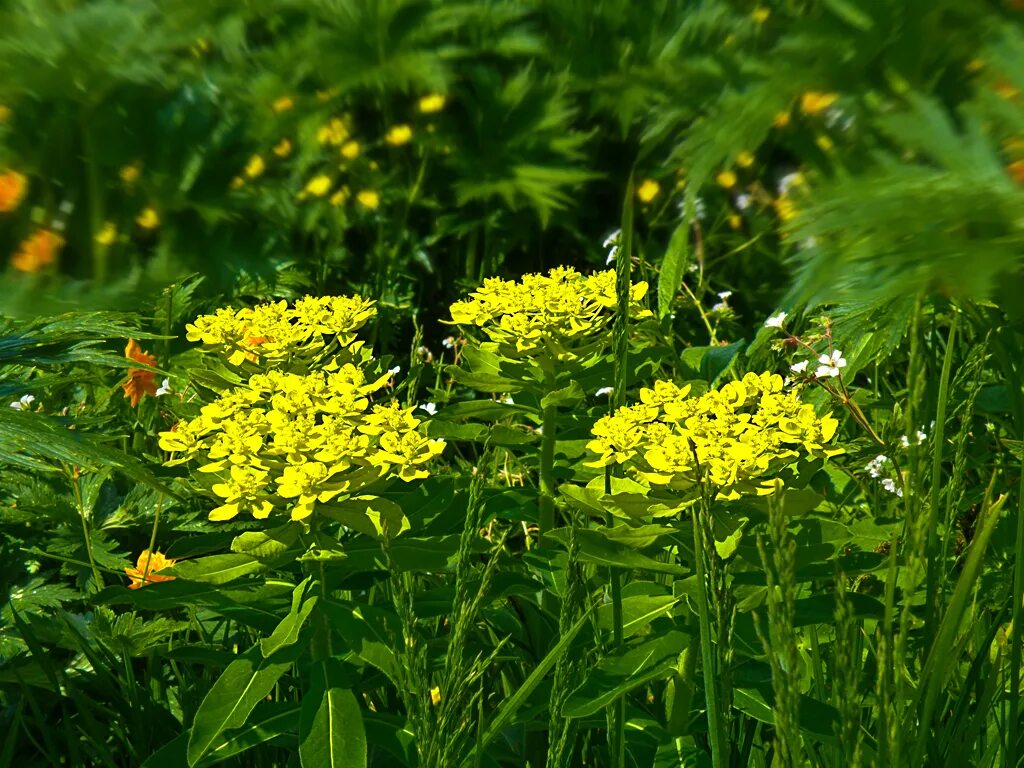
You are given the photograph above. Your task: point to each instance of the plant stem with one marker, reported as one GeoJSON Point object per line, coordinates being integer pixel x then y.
{"type": "Point", "coordinates": [97, 579]}
{"type": "Point", "coordinates": [549, 418]}
{"type": "Point", "coordinates": [706, 652]}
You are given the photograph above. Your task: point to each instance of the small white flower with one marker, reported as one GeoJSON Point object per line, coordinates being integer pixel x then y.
{"type": "Point", "coordinates": [776, 321]}
{"type": "Point", "coordinates": [921, 437]}
{"type": "Point", "coordinates": [720, 307]}
{"type": "Point", "coordinates": [743, 202]}
{"type": "Point", "coordinates": [395, 371]}
{"type": "Point", "coordinates": [829, 365]}
{"type": "Point", "coordinates": [786, 182]}
{"type": "Point", "coordinates": [612, 253]}
{"type": "Point", "coordinates": [449, 342]}
{"type": "Point", "coordinates": [890, 485]}
{"type": "Point", "coordinates": [165, 388]}
{"type": "Point", "coordinates": [612, 239]}
{"type": "Point", "coordinates": [874, 466]}
{"type": "Point", "coordinates": [430, 408]}
{"type": "Point", "coordinates": [24, 404]}
{"type": "Point", "coordinates": [800, 367]}
{"type": "Point", "coordinates": [808, 243]}
{"type": "Point", "coordinates": [604, 391]}
{"type": "Point", "coordinates": [724, 295]}
{"type": "Point", "coordinates": [904, 441]}
{"type": "Point", "coordinates": [507, 400]}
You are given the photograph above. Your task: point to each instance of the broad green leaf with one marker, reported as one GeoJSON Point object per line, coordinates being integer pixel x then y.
{"type": "Point", "coordinates": [817, 719]}
{"type": "Point", "coordinates": [623, 670]}
{"type": "Point", "coordinates": [363, 630]}
{"type": "Point", "coordinates": [243, 685]}
{"type": "Point", "coordinates": [216, 569]}
{"type": "Point", "coordinates": [674, 265]}
{"type": "Point", "coordinates": [637, 612]}
{"type": "Point", "coordinates": [287, 632]}
{"type": "Point", "coordinates": [270, 720]}
{"type": "Point", "coordinates": [267, 545]}
{"type": "Point", "coordinates": [596, 548]}
{"type": "Point", "coordinates": [565, 397]}
{"type": "Point", "coordinates": [331, 732]}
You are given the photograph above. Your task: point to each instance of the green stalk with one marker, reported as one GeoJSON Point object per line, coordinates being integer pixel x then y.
{"type": "Point", "coordinates": [549, 419]}
{"type": "Point", "coordinates": [938, 438]}
{"type": "Point", "coordinates": [707, 655]}
{"type": "Point", "coordinates": [97, 579]}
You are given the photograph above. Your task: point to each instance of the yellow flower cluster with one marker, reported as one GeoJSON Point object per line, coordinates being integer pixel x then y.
{"type": "Point", "coordinates": [274, 333]}
{"type": "Point", "coordinates": [555, 313]}
{"type": "Point", "coordinates": [290, 441]}
{"type": "Point", "coordinates": [735, 438]}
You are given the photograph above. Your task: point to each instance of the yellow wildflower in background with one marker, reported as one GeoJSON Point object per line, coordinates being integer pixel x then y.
{"type": "Point", "coordinates": [350, 150]}
{"type": "Point", "coordinates": [785, 208]}
{"type": "Point", "coordinates": [12, 190]}
{"type": "Point", "coordinates": [147, 567]}
{"type": "Point", "coordinates": [282, 104]}
{"type": "Point", "coordinates": [255, 167]}
{"type": "Point", "coordinates": [38, 251]}
{"type": "Point", "coordinates": [781, 120]}
{"type": "Point", "coordinates": [435, 695]}
{"type": "Point", "coordinates": [130, 173]}
{"type": "Point", "coordinates": [334, 132]}
{"type": "Point", "coordinates": [825, 143]}
{"type": "Point", "coordinates": [283, 148]}
{"type": "Point", "coordinates": [760, 15]}
{"type": "Point", "coordinates": [648, 190]}
{"type": "Point", "coordinates": [368, 198]}
{"type": "Point", "coordinates": [107, 235]}
{"type": "Point", "coordinates": [236, 183]}
{"type": "Point", "coordinates": [816, 102]}
{"type": "Point", "coordinates": [399, 135]}
{"type": "Point", "coordinates": [148, 219]}
{"type": "Point", "coordinates": [5, 113]}
{"type": "Point", "coordinates": [433, 102]}
{"type": "Point", "coordinates": [318, 185]}
{"type": "Point", "coordinates": [727, 179]}
{"type": "Point", "coordinates": [340, 197]}
{"type": "Point", "coordinates": [744, 159]}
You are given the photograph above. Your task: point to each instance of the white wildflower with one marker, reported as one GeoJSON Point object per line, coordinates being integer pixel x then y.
{"type": "Point", "coordinates": [612, 253]}
{"type": "Point", "coordinates": [742, 202]}
{"type": "Point", "coordinates": [800, 367]}
{"type": "Point", "coordinates": [724, 295]}
{"type": "Point", "coordinates": [604, 391]}
{"type": "Point", "coordinates": [165, 388]}
{"type": "Point", "coordinates": [24, 404]}
{"type": "Point", "coordinates": [449, 342]}
{"type": "Point", "coordinates": [430, 408]}
{"type": "Point", "coordinates": [829, 365]}
{"type": "Point", "coordinates": [612, 239]}
{"type": "Point", "coordinates": [395, 371]}
{"type": "Point", "coordinates": [775, 321]}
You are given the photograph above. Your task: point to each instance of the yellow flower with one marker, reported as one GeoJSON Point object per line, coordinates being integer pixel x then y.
{"type": "Point", "coordinates": [282, 104]}
{"type": "Point", "coordinates": [825, 143]}
{"type": "Point", "coordinates": [816, 102]}
{"type": "Point", "coordinates": [350, 150]}
{"type": "Point", "coordinates": [5, 113]}
{"type": "Point", "coordinates": [399, 135]}
{"type": "Point", "coordinates": [146, 568]}
{"type": "Point", "coordinates": [781, 120]}
{"type": "Point", "coordinates": [433, 102]}
{"type": "Point", "coordinates": [237, 183]}
{"type": "Point", "coordinates": [785, 208]}
{"type": "Point", "coordinates": [735, 221]}
{"type": "Point", "coordinates": [148, 219]}
{"type": "Point", "coordinates": [283, 148]}
{"type": "Point", "coordinates": [318, 185]}
{"type": "Point", "coordinates": [339, 197]}
{"type": "Point", "coordinates": [130, 173]}
{"type": "Point", "coordinates": [107, 235]}
{"type": "Point", "coordinates": [648, 190]}
{"type": "Point", "coordinates": [744, 159]}
{"type": "Point", "coordinates": [727, 179]}
{"type": "Point", "coordinates": [1016, 170]}
{"type": "Point", "coordinates": [37, 251]}
{"type": "Point", "coordinates": [334, 132]}
{"type": "Point", "coordinates": [368, 198]}
{"type": "Point", "coordinates": [255, 167]}
{"type": "Point", "coordinates": [435, 695]}
{"type": "Point", "coordinates": [12, 190]}
{"type": "Point", "coordinates": [760, 15]}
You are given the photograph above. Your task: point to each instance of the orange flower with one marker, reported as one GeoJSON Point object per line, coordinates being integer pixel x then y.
{"type": "Point", "coordinates": [37, 251]}
{"type": "Point", "coordinates": [12, 190]}
{"type": "Point", "coordinates": [145, 570]}
{"type": "Point", "coordinates": [1016, 169]}
{"type": "Point", "coordinates": [140, 382]}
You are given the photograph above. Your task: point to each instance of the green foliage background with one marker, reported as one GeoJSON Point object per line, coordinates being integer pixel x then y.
{"type": "Point", "coordinates": [894, 212]}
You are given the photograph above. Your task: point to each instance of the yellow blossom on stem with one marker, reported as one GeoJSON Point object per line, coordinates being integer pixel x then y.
{"type": "Point", "coordinates": [282, 104]}
{"type": "Point", "coordinates": [130, 173]}
{"type": "Point", "coordinates": [399, 135]}
{"type": "Point", "coordinates": [369, 198]}
{"type": "Point", "coordinates": [334, 132]}
{"type": "Point", "coordinates": [760, 14]}
{"type": "Point", "coordinates": [727, 179]}
{"type": "Point", "coordinates": [433, 102]}
{"type": "Point", "coordinates": [340, 197]}
{"type": "Point", "coordinates": [816, 102]}
{"type": "Point", "coordinates": [255, 167]}
{"type": "Point", "coordinates": [318, 186]}
{"type": "Point", "coordinates": [283, 148]}
{"type": "Point", "coordinates": [648, 190]}
{"type": "Point", "coordinates": [107, 234]}
{"type": "Point", "coordinates": [148, 219]}
{"type": "Point", "coordinates": [744, 159]}
{"type": "Point", "coordinates": [350, 150]}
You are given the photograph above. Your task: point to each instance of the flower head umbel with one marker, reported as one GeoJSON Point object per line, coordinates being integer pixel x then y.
{"type": "Point", "coordinates": [736, 438]}
{"type": "Point", "coordinates": [140, 381]}
{"type": "Point", "coordinates": [561, 314]}
{"type": "Point", "coordinates": [146, 570]}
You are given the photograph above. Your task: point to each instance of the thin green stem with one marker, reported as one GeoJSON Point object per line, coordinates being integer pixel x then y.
{"type": "Point", "coordinates": [76, 489]}
{"type": "Point", "coordinates": [549, 426]}
{"type": "Point", "coordinates": [706, 651]}
{"type": "Point", "coordinates": [938, 440]}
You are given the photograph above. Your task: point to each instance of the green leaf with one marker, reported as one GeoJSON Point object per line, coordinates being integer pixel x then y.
{"type": "Point", "coordinates": [622, 671]}
{"type": "Point", "coordinates": [638, 611]}
{"type": "Point", "coordinates": [596, 548]}
{"type": "Point", "coordinates": [216, 569]}
{"type": "Point", "coordinates": [709, 363]}
{"type": "Point", "coordinates": [674, 265]}
{"type": "Point", "coordinates": [565, 397]}
{"type": "Point", "coordinates": [364, 631]}
{"type": "Point", "coordinates": [331, 732]}
{"type": "Point", "coordinates": [244, 684]}
{"type": "Point", "coordinates": [267, 545]}
{"type": "Point", "coordinates": [287, 632]}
